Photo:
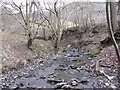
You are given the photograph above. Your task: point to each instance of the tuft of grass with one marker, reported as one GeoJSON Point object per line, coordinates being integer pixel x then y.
{"type": "Point", "coordinates": [96, 52]}
{"type": "Point", "coordinates": [8, 68]}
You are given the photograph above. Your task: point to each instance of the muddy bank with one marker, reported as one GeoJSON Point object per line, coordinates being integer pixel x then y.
{"type": "Point", "coordinates": [68, 69]}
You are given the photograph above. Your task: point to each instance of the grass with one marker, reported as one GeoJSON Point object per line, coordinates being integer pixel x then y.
{"type": "Point", "coordinates": [37, 49]}
{"type": "Point", "coordinates": [7, 68]}
{"type": "Point", "coordinates": [96, 52]}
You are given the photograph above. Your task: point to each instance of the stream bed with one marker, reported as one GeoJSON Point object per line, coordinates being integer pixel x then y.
{"type": "Point", "coordinates": [68, 69]}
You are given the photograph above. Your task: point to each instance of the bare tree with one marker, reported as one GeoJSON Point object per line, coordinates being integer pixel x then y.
{"type": "Point", "coordinates": [55, 20]}
{"type": "Point", "coordinates": [113, 8]}
{"type": "Point", "coordinates": [29, 21]}
{"type": "Point", "coordinates": [119, 13]}
{"type": "Point", "coordinates": [111, 28]}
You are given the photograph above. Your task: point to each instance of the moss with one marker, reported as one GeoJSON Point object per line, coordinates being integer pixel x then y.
{"type": "Point", "coordinates": [96, 52]}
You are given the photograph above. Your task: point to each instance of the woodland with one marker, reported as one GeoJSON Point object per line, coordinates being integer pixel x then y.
{"type": "Point", "coordinates": [59, 44]}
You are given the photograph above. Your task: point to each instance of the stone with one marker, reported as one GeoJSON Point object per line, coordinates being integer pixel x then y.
{"type": "Point", "coordinates": [68, 55]}
{"type": "Point", "coordinates": [53, 80]}
{"type": "Point", "coordinates": [14, 87]}
{"type": "Point", "coordinates": [59, 85]}
{"type": "Point", "coordinates": [75, 79]}
{"type": "Point", "coordinates": [15, 77]}
{"type": "Point", "coordinates": [73, 66]}
{"type": "Point", "coordinates": [74, 83]}
{"type": "Point", "coordinates": [84, 80]}
{"type": "Point", "coordinates": [42, 77]}
{"type": "Point", "coordinates": [67, 86]}
{"type": "Point", "coordinates": [68, 46]}
{"type": "Point", "coordinates": [74, 60]}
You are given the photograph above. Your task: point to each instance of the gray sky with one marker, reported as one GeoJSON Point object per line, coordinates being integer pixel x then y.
{"type": "Point", "coordinates": [18, 1]}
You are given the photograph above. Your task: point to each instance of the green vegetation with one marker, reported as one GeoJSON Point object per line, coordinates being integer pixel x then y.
{"type": "Point", "coordinates": [96, 52]}
{"type": "Point", "coordinates": [7, 68]}
{"type": "Point", "coordinates": [37, 50]}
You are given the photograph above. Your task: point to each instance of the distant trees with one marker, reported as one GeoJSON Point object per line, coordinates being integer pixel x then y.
{"type": "Point", "coordinates": [111, 21]}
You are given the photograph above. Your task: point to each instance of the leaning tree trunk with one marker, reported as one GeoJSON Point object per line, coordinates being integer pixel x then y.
{"type": "Point", "coordinates": [113, 10]}
{"type": "Point", "coordinates": [119, 14]}
{"type": "Point", "coordinates": [110, 28]}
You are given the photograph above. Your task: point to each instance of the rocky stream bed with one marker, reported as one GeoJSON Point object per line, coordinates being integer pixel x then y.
{"type": "Point", "coordinates": [68, 69]}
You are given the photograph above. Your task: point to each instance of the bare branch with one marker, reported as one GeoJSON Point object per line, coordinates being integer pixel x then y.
{"type": "Point", "coordinates": [15, 17]}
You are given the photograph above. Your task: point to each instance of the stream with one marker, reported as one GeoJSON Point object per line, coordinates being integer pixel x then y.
{"type": "Point", "coordinates": [68, 69]}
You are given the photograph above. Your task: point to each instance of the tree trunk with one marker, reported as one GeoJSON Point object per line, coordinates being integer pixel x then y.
{"type": "Point", "coordinates": [55, 46]}
{"type": "Point", "coordinates": [113, 10]}
{"type": "Point", "coordinates": [119, 14]}
{"type": "Point", "coordinates": [110, 28]}
{"type": "Point", "coordinates": [44, 34]}
{"type": "Point", "coordinates": [30, 41]}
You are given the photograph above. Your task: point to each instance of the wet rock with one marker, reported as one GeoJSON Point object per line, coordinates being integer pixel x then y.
{"type": "Point", "coordinates": [74, 83]}
{"type": "Point", "coordinates": [42, 77]}
{"type": "Point", "coordinates": [52, 75]}
{"type": "Point", "coordinates": [54, 58]}
{"type": "Point", "coordinates": [15, 77]}
{"type": "Point", "coordinates": [59, 85]}
{"type": "Point", "coordinates": [90, 58]}
{"type": "Point", "coordinates": [74, 60]}
{"type": "Point", "coordinates": [84, 81]}
{"type": "Point", "coordinates": [76, 79]}
{"type": "Point", "coordinates": [76, 55]}
{"type": "Point", "coordinates": [66, 86]}
{"type": "Point", "coordinates": [28, 76]}
{"type": "Point", "coordinates": [53, 80]}
{"type": "Point", "coordinates": [21, 84]}
{"type": "Point", "coordinates": [4, 84]}
{"type": "Point", "coordinates": [61, 68]}
{"type": "Point", "coordinates": [14, 87]}
{"type": "Point", "coordinates": [81, 55]}
{"type": "Point", "coordinates": [68, 55]}
{"type": "Point", "coordinates": [73, 66]}
{"type": "Point", "coordinates": [68, 46]}
{"type": "Point", "coordinates": [12, 81]}
{"type": "Point", "coordinates": [40, 61]}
